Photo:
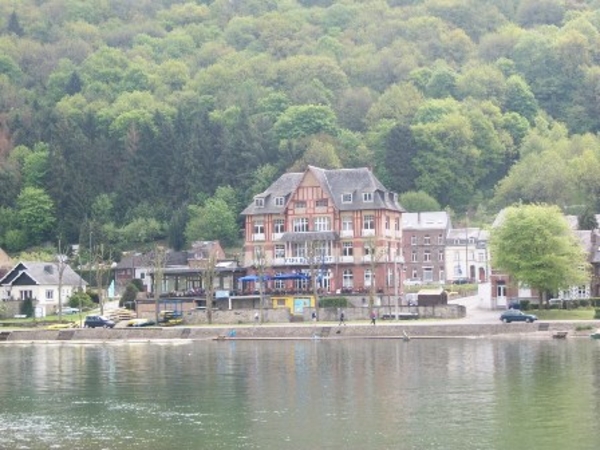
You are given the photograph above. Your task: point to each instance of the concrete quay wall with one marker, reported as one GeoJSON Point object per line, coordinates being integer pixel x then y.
{"type": "Point", "coordinates": [283, 332]}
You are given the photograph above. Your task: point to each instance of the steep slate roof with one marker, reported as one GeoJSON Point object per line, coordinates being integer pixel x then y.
{"type": "Point", "coordinates": [334, 182]}
{"type": "Point", "coordinates": [284, 186]}
{"type": "Point", "coordinates": [460, 233]}
{"type": "Point", "coordinates": [43, 273]}
{"type": "Point", "coordinates": [433, 220]}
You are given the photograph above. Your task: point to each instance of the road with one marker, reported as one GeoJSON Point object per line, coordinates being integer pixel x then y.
{"type": "Point", "coordinates": [476, 313]}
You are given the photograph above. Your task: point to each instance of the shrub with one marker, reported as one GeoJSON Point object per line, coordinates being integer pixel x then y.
{"type": "Point", "coordinates": [525, 305]}
{"type": "Point", "coordinates": [129, 295]}
{"type": "Point", "coordinates": [27, 307]}
{"type": "Point", "coordinates": [584, 303]}
{"type": "Point", "coordinates": [597, 313]}
{"type": "Point", "coordinates": [81, 300]}
{"type": "Point", "coordinates": [138, 283]}
{"type": "Point", "coordinates": [333, 302]}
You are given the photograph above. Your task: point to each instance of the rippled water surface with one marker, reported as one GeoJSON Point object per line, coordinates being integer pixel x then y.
{"type": "Point", "coordinates": [326, 394]}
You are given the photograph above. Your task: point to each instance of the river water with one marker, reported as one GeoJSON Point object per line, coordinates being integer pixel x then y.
{"type": "Point", "coordinates": [300, 395]}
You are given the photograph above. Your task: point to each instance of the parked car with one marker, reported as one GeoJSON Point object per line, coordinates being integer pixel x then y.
{"type": "Point", "coordinates": [461, 281]}
{"type": "Point", "coordinates": [69, 310]}
{"type": "Point", "coordinates": [413, 282]}
{"type": "Point", "coordinates": [98, 321]}
{"type": "Point", "coordinates": [516, 315]}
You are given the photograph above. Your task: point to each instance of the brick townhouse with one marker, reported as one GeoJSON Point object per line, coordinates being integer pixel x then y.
{"type": "Point", "coordinates": [342, 225]}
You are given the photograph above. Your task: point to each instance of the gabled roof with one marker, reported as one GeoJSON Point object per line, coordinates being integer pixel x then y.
{"type": "Point", "coordinates": [335, 183]}
{"type": "Point", "coordinates": [432, 220]}
{"type": "Point", "coordinates": [43, 273]}
{"type": "Point", "coordinates": [146, 260]}
{"type": "Point", "coordinates": [462, 233]}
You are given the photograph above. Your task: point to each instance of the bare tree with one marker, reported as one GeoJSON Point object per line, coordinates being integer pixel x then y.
{"type": "Point", "coordinates": [61, 265]}
{"type": "Point", "coordinates": [158, 262]}
{"type": "Point", "coordinates": [210, 274]}
{"type": "Point", "coordinates": [260, 265]}
{"type": "Point", "coordinates": [315, 254]}
{"type": "Point", "coordinates": [376, 255]}
{"type": "Point", "coordinates": [102, 266]}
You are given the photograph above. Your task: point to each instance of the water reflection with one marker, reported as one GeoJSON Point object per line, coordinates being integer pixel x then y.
{"type": "Point", "coordinates": [328, 394]}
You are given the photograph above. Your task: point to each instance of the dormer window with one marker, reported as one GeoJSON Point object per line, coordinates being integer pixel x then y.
{"type": "Point", "coordinates": [367, 196]}
{"type": "Point", "coordinates": [279, 201]}
{"type": "Point", "coordinates": [346, 198]}
{"type": "Point", "coordinates": [259, 202]}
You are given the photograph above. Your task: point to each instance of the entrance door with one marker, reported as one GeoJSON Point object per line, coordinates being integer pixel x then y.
{"type": "Point", "coordinates": [501, 300]}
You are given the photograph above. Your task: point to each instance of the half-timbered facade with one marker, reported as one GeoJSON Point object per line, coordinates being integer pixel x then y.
{"type": "Point", "coordinates": [341, 226]}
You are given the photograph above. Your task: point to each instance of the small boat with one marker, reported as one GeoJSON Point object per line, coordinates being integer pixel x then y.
{"type": "Point", "coordinates": [560, 334]}
{"type": "Point", "coordinates": [596, 334]}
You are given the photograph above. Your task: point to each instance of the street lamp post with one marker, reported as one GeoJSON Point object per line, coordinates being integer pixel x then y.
{"type": "Point", "coordinates": [396, 282]}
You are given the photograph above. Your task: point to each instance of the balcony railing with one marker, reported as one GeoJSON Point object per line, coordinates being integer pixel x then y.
{"type": "Point", "coordinates": [258, 237]}
{"type": "Point", "coordinates": [303, 261]}
{"type": "Point", "coordinates": [347, 233]}
{"type": "Point", "coordinates": [368, 233]}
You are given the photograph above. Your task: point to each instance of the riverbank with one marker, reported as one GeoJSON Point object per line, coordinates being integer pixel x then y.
{"type": "Point", "coordinates": [304, 331]}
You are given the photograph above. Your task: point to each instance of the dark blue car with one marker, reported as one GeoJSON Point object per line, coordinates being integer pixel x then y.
{"type": "Point", "coordinates": [516, 315]}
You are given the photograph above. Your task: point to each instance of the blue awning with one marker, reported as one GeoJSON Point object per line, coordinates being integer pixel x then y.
{"type": "Point", "coordinates": [253, 278]}
{"type": "Point", "coordinates": [291, 276]}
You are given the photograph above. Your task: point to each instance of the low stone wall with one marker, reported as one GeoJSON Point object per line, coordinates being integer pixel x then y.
{"type": "Point", "coordinates": [307, 331]}
{"type": "Point", "coordinates": [362, 313]}
{"type": "Point", "coordinates": [238, 317]}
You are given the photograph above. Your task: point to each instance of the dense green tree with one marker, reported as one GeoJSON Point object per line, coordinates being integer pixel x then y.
{"type": "Point", "coordinates": [536, 247]}
{"type": "Point", "coordinates": [305, 120]}
{"type": "Point", "coordinates": [212, 221]}
{"type": "Point", "coordinates": [418, 201]}
{"type": "Point", "coordinates": [14, 25]}
{"type": "Point", "coordinates": [36, 214]}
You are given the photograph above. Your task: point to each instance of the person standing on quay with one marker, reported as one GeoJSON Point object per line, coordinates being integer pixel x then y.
{"type": "Point", "coordinates": [342, 319]}
{"type": "Point", "coordinates": [373, 317]}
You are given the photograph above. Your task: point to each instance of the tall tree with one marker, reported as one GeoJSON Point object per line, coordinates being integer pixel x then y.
{"type": "Point", "coordinates": [536, 247]}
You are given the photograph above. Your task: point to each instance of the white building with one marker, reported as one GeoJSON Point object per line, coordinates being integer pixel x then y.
{"type": "Point", "coordinates": [40, 281]}
{"type": "Point", "coordinates": [467, 255]}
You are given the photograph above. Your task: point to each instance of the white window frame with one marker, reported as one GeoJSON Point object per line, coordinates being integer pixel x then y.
{"type": "Point", "coordinates": [279, 201]}
{"type": "Point", "coordinates": [348, 279]}
{"type": "Point", "coordinates": [278, 226]}
{"type": "Point", "coordinates": [347, 198]}
{"type": "Point", "coordinates": [369, 222]}
{"type": "Point", "coordinates": [300, 204]}
{"type": "Point", "coordinates": [347, 248]}
{"type": "Point", "coordinates": [368, 277]}
{"type": "Point", "coordinates": [258, 227]}
{"type": "Point", "coordinates": [414, 256]}
{"type": "Point", "coordinates": [322, 223]}
{"type": "Point", "coordinates": [347, 223]}
{"type": "Point", "coordinates": [426, 240]}
{"type": "Point", "coordinates": [279, 251]}
{"type": "Point", "coordinates": [322, 203]}
{"type": "Point", "coordinates": [427, 256]}
{"type": "Point", "coordinates": [300, 225]}
{"type": "Point", "coordinates": [49, 294]}
{"type": "Point", "coordinates": [368, 197]}
{"type": "Point", "coordinates": [259, 202]}
{"type": "Point", "coordinates": [413, 240]}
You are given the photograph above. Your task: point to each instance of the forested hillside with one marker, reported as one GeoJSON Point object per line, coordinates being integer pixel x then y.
{"type": "Point", "coordinates": [134, 120]}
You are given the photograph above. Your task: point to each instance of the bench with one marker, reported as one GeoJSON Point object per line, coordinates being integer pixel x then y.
{"type": "Point", "coordinates": [401, 316]}
{"type": "Point", "coordinates": [543, 326]}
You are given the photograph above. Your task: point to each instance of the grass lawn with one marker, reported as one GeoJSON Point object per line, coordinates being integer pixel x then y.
{"type": "Point", "coordinates": [564, 314]}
